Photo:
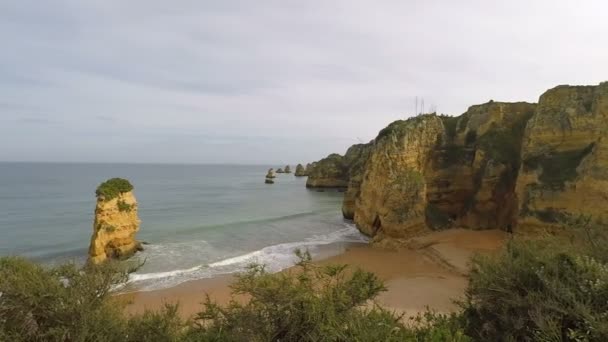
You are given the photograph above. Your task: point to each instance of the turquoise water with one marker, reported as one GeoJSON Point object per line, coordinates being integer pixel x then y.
{"type": "Point", "coordinates": [200, 220]}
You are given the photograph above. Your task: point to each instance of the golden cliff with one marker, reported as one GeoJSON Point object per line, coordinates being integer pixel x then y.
{"type": "Point", "coordinates": [498, 165]}
{"type": "Point", "coordinates": [565, 157]}
{"type": "Point", "coordinates": [116, 222]}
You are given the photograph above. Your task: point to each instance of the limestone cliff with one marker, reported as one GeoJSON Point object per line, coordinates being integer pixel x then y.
{"type": "Point", "coordinates": [329, 172]}
{"type": "Point", "coordinates": [336, 171]}
{"type": "Point", "coordinates": [355, 158]}
{"type": "Point", "coordinates": [565, 157]}
{"type": "Point", "coordinates": [116, 222]}
{"type": "Point", "coordinates": [498, 165]}
{"type": "Point", "coordinates": [392, 193]}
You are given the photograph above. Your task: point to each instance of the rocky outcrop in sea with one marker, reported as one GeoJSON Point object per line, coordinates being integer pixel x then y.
{"type": "Point", "coordinates": [116, 222]}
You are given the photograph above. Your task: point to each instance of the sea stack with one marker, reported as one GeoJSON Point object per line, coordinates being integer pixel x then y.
{"type": "Point", "coordinates": [279, 170]}
{"type": "Point", "coordinates": [287, 169]}
{"type": "Point", "coordinates": [270, 174]}
{"type": "Point", "coordinates": [300, 171]}
{"type": "Point", "coordinates": [116, 222]}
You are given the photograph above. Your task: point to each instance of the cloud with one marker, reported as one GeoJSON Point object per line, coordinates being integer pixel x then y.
{"type": "Point", "coordinates": [271, 81]}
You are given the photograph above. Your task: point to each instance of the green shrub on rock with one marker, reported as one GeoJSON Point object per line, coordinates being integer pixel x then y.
{"type": "Point", "coordinates": [111, 188]}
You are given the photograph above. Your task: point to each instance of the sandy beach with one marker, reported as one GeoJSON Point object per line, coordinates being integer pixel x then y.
{"type": "Point", "coordinates": [430, 272]}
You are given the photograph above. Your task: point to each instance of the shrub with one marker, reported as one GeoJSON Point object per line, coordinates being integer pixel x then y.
{"type": "Point", "coordinates": [538, 291]}
{"type": "Point", "coordinates": [67, 303]}
{"type": "Point", "coordinates": [111, 188]}
{"type": "Point", "coordinates": [316, 303]}
{"type": "Point", "coordinates": [124, 206]}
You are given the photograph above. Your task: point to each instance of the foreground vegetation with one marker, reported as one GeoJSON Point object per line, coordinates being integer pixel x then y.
{"type": "Point", "coordinates": [539, 290]}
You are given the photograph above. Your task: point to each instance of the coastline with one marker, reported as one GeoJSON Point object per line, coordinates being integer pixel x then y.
{"type": "Point", "coordinates": [429, 273]}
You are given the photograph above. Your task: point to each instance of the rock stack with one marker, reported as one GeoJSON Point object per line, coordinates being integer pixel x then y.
{"type": "Point", "coordinates": [270, 176]}
{"type": "Point", "coordinates": [279, 170]}
{"type": "Point", "coordinates": [300, 171]}
{"type": "Point", "coordinates": [116, 222]}
{"type": "Point", "coordinates": [287, 169]}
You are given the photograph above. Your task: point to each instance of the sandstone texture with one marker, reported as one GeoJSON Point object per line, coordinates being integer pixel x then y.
{"type": "Point", "coordinates": [564, 172]}
{"type": "Point", "coordinates": [115, 225]}
{"type": "Point", "coordinates": [329, 172]}
{"type": "Point", "coordinates": [507, 166]}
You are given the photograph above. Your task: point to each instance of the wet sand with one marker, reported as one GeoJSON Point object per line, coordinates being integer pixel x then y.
{"type": "Point", "coordinates": [430, 272]}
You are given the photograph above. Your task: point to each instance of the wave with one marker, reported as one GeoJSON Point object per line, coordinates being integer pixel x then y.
{"type": "Point", "coordinates": [274, 257]}
{"type": "Point", "coordinates": [244, 222]}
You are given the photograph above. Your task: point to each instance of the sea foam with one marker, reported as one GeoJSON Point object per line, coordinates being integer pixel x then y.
{"type": "Point", "coordinates": [275, 258]}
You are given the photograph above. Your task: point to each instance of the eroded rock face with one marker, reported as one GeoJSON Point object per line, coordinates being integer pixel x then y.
{"type": "Point", "coordinates": [115, 225]}
{"type": "Point", "coordinates": [498, 165]}
{"type": "Point", "coordinates": [437, 172]}
{"type": "Point", "coordinates": [392, 193]}
{"type": "Point", "coordinates": [329, 172]}
{"type": "Point", "coordinates": [355, 158]}
{"type": "Point", "coordinates": [287, 169]}
{"type": "Point", "coordinates": [564, 172]}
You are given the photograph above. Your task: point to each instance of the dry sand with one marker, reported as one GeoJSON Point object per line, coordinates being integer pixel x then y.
{"type": "Point", "coordinates": [430, 273]}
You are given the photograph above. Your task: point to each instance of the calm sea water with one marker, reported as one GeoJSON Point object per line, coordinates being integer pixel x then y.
{"type": "Point", "coordinates": [200, 220]}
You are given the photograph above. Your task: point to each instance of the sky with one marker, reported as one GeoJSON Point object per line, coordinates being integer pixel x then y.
{"type": "Point", "coordinates": [277, 81]}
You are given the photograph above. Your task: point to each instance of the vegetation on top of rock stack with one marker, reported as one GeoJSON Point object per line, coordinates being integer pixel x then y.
{"type": "Point", "coordinates": [113, 187]}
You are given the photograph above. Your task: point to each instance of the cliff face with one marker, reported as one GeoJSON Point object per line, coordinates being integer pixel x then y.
{"type": "Point", "coordinates": [329, 172]}
{"type": "Point", "coordinates": [355, 158]}
{"type": "Point", "coordinates": [115, 225]}
{"type": "Point", "coordinates": [498, 165]}
{"type": "Point", "coordinates": [336, 171]}
{"type": "Point", "coordinates": [393, 190]}
{"type": "Point", "coordinates": [565, 157]}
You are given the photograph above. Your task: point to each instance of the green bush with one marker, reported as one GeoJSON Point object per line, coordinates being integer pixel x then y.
{"type": "Point", "coordinates": [316, 303]}
{"type": "Point", "coordinates": [111, 188]}
{"type": "Point", "coordinates": [330, 303]}
{"type": "Point", "coordinates": [124, 206]}
{"type": "Point", "coordinates": [543, 290]}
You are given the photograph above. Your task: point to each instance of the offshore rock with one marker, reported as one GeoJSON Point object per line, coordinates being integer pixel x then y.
{"type": "Point", "coordinates": [116, 222]}
{"type": "Point", "coordinates": [300, 171]}
{"type": "Point", "coordinates": [270, 174]}
{"type": "Point", "coordinates": [287, 169]}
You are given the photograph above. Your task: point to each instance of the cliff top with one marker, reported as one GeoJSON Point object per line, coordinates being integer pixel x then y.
{"type": "Point", "coordinates": [113, 187]}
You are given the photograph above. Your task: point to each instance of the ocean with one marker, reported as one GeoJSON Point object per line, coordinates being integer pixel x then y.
{"type": "Point", "coordinates": [200, 220]}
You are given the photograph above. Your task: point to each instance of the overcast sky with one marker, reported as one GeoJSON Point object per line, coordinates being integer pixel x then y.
{"type": "Point", "coordinates": [269, 81]}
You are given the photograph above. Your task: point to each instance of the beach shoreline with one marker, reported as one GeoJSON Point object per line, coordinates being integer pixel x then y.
{"type": "Point", "coordinates": [429, 273]}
